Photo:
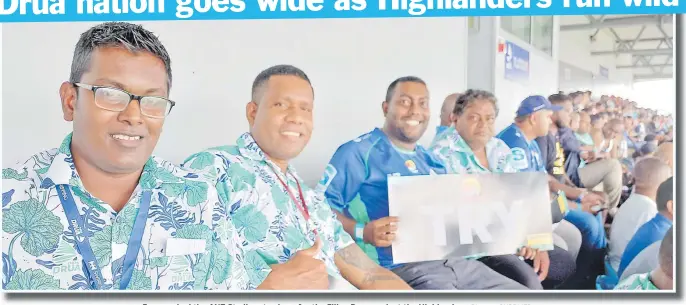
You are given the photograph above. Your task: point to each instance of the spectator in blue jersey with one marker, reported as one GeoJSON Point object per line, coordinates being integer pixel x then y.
{"type": "Point", "coordinates": [446, 112]}
{"type": "Point", "coordinates": [653, 230]}
{"type": "Point", "coordinates": [355, 184]}
{"type": "Point", "coordinates": [470, 147]}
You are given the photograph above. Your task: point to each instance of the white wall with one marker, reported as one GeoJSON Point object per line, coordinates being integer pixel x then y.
{"type": "Point", "coordinates": [543, 77]}
{"type": "Point", "coordinates": [575, 49]}
{"type": "Point", "coordinates": [481, 54]}
{"type": "Point", "coordinates": [350, 62]}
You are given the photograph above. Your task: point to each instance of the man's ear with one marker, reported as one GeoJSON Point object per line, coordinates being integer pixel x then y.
{"type": "Point", "coordinates": [68, 97]}
{"type": "Point", "coordinates": [670, 207]}
{"type": "Point", "coordinates": [384, 108]}
{"type": "Point", "coordinates": [251, 112]}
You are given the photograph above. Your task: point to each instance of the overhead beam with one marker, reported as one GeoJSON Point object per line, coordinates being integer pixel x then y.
{"type": "Point", "coordinates": [625, 41]}
{"type": "Point", "coordinates": [620, 22]}
{"type": "Point", "coordinates": [643, 66]}
{"type": "Point", "coordinates": [654, 76]}
{"type": "Point", "coordinates": [642, 52]}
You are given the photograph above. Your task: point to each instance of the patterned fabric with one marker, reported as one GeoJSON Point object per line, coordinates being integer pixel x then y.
{"type": "Point", "coordinates": [262, 210]}
{"type": "Point", "coordinates": [39, 251]}
{"type": "Point", "coordinates": [459, 158]}
{"type": "Point", "coordinates": [637, 282]}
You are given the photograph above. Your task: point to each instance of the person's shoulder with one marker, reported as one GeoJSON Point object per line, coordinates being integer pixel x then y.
{"type": "Point", "coordinates": [164, 169]}
{"type": "Point", "coordinates": [27, 173]}
{"type": "Point", "coordinates": [499, 145]}
{"type": "Point", "coordinates": [446, 139]}
{"type": "Point", "coordinates": [512, 137]}
{"type": "Point", "coordinates": [213, 157]}
{"type": "Point", "coordinates": [362, 143]}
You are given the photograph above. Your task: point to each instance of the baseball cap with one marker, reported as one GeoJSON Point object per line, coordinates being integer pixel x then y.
{"type": "Point", "coordinates": [535, 103]}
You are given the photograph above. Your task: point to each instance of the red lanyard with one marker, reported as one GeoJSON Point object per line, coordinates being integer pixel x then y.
{"type": "Point", "coordinates": [301, 206]}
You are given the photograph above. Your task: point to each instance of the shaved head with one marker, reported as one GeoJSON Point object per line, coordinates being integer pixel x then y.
{"type": "Point", "coordinates": [447, 108]}
{"type": "Point", "coordinates": [649, 173]}
{"type": "Point", "coordinates": [665, 152]}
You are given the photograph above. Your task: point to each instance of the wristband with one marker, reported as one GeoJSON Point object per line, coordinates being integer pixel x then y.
{"type": "Point", "coordinates": [581, 197]}
{"type": "Point", "coordinates": [359, 232]}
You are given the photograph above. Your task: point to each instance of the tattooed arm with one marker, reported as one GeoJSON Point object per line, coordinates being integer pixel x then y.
{"type": "Point", "coordinates": [358, 269]}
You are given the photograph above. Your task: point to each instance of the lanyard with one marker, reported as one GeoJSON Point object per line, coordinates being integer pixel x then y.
{"type": "Point", "coordinates": [302, 207]}
{"type": "Point", "coordinates": [83, 244]}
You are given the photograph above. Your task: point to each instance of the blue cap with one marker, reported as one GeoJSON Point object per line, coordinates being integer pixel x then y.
{"type": "Point", "coordinates": [535, 103]}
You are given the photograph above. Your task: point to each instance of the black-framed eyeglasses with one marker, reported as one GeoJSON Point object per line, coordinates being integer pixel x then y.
{"type": "Point", "coordinates": [114, 99]}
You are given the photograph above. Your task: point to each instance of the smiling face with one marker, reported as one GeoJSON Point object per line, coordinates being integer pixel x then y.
{"type": "Point", "coordinates": [115, 141]}
{"type": "Point", "coordinates": [281, 120]}
{"type": "Point", "coordinates": [407, 113]}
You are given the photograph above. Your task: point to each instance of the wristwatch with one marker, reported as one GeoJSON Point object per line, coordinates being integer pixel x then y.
{"type": "Point", "coordinates": [359, 232]}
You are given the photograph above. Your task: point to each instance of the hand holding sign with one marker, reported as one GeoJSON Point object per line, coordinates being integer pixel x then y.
{"type": "Point", "coordinates": [302, 271]}
{"type": "Point", "coordinates": [381, 232]}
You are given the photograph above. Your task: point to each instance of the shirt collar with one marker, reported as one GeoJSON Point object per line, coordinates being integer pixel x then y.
{"type": "Point", "coordinates": [63, 171]}
{"type": "Point", "coordinates": [461, 145]}
{"type": "Point", "coordinates": [441, 128]}
{"type": "Point", "coordinates": [248, 148]}
{"type": "Point", "coordinates": [379, 133]}
{"type": "Point", "coordinates": [521, 134]}
{"type": "Point", "coordinates": [661, 219]}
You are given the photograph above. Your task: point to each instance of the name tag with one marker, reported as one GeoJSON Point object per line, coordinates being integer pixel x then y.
{"type": "Point", "coordinates": [179, 246]}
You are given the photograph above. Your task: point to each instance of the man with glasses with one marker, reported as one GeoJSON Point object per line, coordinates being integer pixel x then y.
{"type": "Point", "coordinates": [101, 213]}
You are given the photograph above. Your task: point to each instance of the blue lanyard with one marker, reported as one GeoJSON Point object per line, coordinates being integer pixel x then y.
{"type": "Point", "coordinates": [83, 244]}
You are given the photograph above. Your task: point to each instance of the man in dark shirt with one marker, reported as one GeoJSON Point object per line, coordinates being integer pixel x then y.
{"type": "Point", "coordinates": [558, 162]}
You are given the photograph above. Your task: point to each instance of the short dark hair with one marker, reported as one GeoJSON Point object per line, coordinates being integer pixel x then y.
{"type": "Point", "coordinates": [665, 193]}
{"type": "Point", "coordinates": [405, 79]}
{"type": "Point", "coordinates": [559, 98]}
{"type": "Point", "coordinates": [470, 96]}
{"type": "Point", "coordinates": [266, 74]}
{"type": "Point", "coordinates": [131, 37]}
{"type": "Point", "coordinates": [666, 256]}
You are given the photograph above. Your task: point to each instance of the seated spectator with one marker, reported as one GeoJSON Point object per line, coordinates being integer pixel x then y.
{"type": "Point", "coordinates": [639, 208]}
{"type": "Point", "coordinates": [355, 185]}
{"type": "Point", "coordinates": [652, 139]}
{"type": "Point", "coordinates": [590, 225]}
{"type": "Point", "coordinates": [597, 170]}
{"type": "Point", "coordinates": [605, 139]}
{"type": "Point", "coordinates": [446, 112]}
{"type": "Point", "coordinates": [646, 151]}
{"type": "Point", "coordinates": [644, 262]}
{"type": "Point", "coordinates": [629, 136]}
{"type": "Point", "coordinates": [471, 147]}
{"type": "Point", "coordinates": [575, 119]}
{"type": "Point", "coordinates": [583, 132]}
{"type": "Point", "coordinates": [665, 152]}
{"type": "Point", "coordinates": [653, 230]}
{"type": "Point", "coordinates": [597, 122]}
{"type": "Point", "coordinates": [662, 277]}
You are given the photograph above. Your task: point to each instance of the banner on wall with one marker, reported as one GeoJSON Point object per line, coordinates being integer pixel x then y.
{"type": "Point", "coordinates": [516, 62]}
{"type": "Point", "coordinates": [604, 72]}
{"type": "Point", "coordinates": [469, 215]}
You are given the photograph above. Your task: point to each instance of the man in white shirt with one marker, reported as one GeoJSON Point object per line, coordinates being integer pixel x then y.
{"type": "Point", "coordinates": [639, 207]}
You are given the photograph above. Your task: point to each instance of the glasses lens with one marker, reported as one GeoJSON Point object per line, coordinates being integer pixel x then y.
{"type": "Point", "coordinates": [111, 99]}
{"type": "Point", "coordinates": [156, 107]}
